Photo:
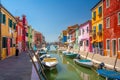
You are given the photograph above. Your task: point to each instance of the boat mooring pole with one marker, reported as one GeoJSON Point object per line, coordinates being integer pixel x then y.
{"type": "Point", "coordinates": [116, 61]}
{"type": "Point", "coordinates": [87, 55]}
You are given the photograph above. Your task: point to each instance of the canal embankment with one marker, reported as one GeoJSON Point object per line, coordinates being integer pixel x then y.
{"type": "Point", "coordinates": [97, 59]}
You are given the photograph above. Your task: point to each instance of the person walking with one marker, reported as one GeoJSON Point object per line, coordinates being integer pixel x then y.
{"type": "Point", "coordinates": [17, 51]}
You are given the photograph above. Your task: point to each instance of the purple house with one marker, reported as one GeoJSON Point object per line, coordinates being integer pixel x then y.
{"type": "Point", "coordinates": [84, 38]}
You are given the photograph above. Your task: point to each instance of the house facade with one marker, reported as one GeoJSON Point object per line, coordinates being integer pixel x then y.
{"type": "Point", "coordinates": [8, 33]}
{"type": "Point", "coordinates": [84, 37]}
{"type": "Point", "coordinates": [111, 27]}
{"type": "Point", "coordinates": [97, 28]}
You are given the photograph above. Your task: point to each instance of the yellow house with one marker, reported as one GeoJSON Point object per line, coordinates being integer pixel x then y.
{"type": "Point", "coordinates": [7, 33]}
{"type": "Point", "coordinates": [97, 27]}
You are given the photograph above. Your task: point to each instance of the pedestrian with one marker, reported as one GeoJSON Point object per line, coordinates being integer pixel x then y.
{"type": "Point", "coordinates": [17, 51]}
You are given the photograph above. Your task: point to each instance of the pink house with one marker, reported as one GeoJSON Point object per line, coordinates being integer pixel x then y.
{"type": "Point", "coordinates": [84, 38]}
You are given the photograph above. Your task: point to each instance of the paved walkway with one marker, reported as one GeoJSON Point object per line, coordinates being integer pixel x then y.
{"type": "Point", "coordinates": [109, 61]}
{"type": "Point", "coordinates": [13, 68]}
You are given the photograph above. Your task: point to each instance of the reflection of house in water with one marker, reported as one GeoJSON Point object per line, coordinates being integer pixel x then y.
{"type": "Point", "coordinates": [84, 76]}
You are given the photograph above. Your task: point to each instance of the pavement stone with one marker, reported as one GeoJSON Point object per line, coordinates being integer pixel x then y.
{"type": "Point", "coordinates": [16, 68]}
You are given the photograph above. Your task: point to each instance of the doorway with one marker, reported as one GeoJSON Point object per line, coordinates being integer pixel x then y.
{"type": "Point", "coordinates": [114, 47]}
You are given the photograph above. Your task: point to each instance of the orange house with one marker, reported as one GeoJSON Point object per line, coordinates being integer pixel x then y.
{"type": "Point", "coordinates": [7, 33]}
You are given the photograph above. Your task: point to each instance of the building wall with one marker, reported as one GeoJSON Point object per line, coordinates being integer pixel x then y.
{"type": "Point", "coordinates": [19, 29]}
{"type": "Point", "coordinates": [97, 21]}
{"type": "Point", "coordinates": [9, 33]}
{"type": "Point", "coordinates": [112, 33]}
{"type": "Point", "coordinates": [84, 37]}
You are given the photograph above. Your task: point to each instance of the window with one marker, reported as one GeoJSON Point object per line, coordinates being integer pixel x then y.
{"type": "Point", "coordinates": [4, 42]}
{"type": "Point", "coordinates": [0, 17]}
{"type": "Point", "coordinates": [118, 18]}
{"type": "Point", "coordinates": [94, 29]}
{"type": "Point", "coordinates": [10, 23]}
{"type": "Point", "coordinates": [81, 43]}
{"type": "Point", "coordinates": [87, 43]}
{"type": "Point", "coordinates": [108, 45]}
{"type": "Point", "coordinates": [108, 22]}
{"type": "Point", "coordinates": [100, 10]}
{"type": "Point", "coordinates": [87, 29]}
{"type": "Point", "coordinates": [100, 27]}
{"type": "Point", "coordinates": [82, 31]}
{"type": "Point", "coordinates": [119, 44]}
{"type": "Point", "coordinates": [94, 15]}
{"type": "Point", "coordinates": [14, 25]}
{"type": "Point", "coordinates": [107, 3]}
{"type": "Point", "coordinates": [4, 19]}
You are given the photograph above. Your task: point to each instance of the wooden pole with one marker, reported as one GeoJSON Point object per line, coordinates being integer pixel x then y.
{"type": "Point", "coordinates": [87, 55]}
{"type": "Point", "coordinates": [116, 61]}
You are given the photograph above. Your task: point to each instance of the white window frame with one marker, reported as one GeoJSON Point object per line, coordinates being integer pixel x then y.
{"type": "Point", "coordinates": [118, 45]}
{"type": "Point", "coordinates": [108, 25]}
{"type": "Point", "coordinates": [118, 18]}
{"type": "Point", "coordinates": [106, 45]}
{"type": "Point", "coordinates": [107, 6]}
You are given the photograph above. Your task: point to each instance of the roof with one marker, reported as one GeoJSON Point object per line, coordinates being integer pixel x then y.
{"type": "Point", "coordinates": [1, 6]}
{"type": "Point", "coordinates": [96, 5]}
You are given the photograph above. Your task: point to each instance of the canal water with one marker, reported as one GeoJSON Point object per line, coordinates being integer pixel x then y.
{"type": "Point", "coordinates": [66, 69]}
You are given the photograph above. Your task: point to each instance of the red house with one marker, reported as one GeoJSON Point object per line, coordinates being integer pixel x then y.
{"type": "Point", "coordinates": [25, 34]}
{"type": "Point", "coordinates": [111, 14]}
{"type": "Point", "coordinates": [19, 29]}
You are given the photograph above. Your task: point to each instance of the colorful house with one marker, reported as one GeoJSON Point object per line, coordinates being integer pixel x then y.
{"type": "Point", "coordinates": [64, 36]}
{"type": "Point", "coordinates": [97, 28]}
{"type": "Point", "coordinates": [84, 37]}
{"type": "Point", "coordinates": [71, 35]}
{"type": "Point", "coordinates": [29, 36]}
{"type": "Point", "coordinates": [19, 29]}
{"type": "Point", "coordinates": [7, 33]}
{"type": "Point", "coordinates": [33, 33]}
{"type": "Point", "coordinates": [25, 33]}
{"type": "Point", "coordinates": [111, 27]}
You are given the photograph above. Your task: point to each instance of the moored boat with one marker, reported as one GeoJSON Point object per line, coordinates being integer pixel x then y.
{"type": "Point", "coordinates": [84, 62]}
{"type": "Point", "coordinates": [109, 74]}
{"type": "Point", "coordinates": [71, 55]}
{"type": "Point", "coordinates": [50, 62]}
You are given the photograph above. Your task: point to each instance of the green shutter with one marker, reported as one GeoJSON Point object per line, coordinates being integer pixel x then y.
{"type": "Point", "coordinates": [8, 22]}
{"type": "Point", "coordinates": [4, 19]}
{"type": "Point", "coordinates": [0, 17]}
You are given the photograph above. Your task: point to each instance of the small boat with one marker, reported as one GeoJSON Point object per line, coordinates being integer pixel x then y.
{"type": "Point", "coordinates": [109, 74]}
{"type": "Point", "coordinates": [50, 62]}
{"type": "Point", "coordinates": [70, 54]}
{"type": "Point", "coordinates": [42, 51]}
{"type": "Point", "coordinates": [44, 56]}
{"type": "Point", "coordinates": [84, 62]}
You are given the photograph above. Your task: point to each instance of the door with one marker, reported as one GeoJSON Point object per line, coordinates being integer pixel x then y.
{"type": "Point", "coordinates": [8, 46]}
{"type": "Point", "coordinates": [114, 47]}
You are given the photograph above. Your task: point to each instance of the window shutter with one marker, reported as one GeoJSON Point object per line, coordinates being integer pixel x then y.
{"type": "Point", "coordinates": [100, 27]}
{"type": "Point", "coordinates": [4, 19]}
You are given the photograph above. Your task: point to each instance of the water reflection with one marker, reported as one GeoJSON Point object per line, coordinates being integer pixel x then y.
{"type": "Point", "coordinates": [68, 70]}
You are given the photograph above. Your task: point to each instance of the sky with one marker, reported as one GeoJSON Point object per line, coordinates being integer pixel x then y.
{"type": "Point", "coordinates": [50, 17]}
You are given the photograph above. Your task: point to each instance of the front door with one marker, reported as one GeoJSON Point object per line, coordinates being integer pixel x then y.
{"type": "Point", "coordinates": [8, 46]}
{"type": "Point", "coordinates": [114, 47]}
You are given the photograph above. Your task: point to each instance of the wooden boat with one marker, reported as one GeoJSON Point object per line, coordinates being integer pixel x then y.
{"type": "Point", "coordinates": [44, 56]}
{"type": "Point", "coordinates": [50, 62]}
{"type": "Point", "coordinates": [84, 62]}
{"type": "Point", "coordinates": [71, 55]}
{"type": "Point", "coordinates": [109, 74]}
